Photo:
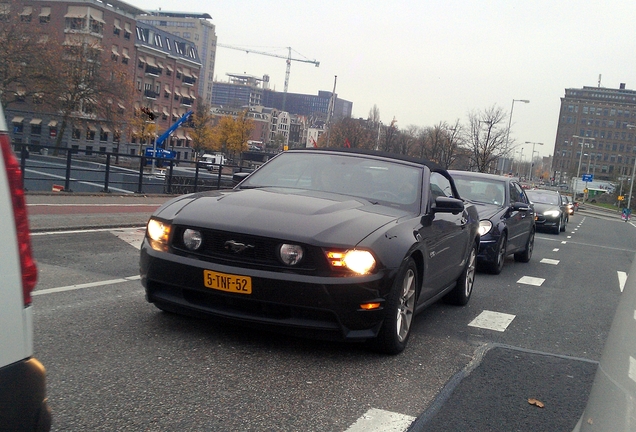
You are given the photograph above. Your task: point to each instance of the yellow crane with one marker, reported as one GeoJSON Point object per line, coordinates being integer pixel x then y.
{"type": "Point", "coordinates": [289, 59]}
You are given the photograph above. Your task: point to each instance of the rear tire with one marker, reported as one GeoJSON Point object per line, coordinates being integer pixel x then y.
{"type": "Point", "coordinates": [400, 311]}
{"type": "Point", "coordinates": [525, 256]}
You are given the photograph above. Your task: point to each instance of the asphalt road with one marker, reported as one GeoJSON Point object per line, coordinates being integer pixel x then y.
{"type": "Point", "coordinates": [114, 362]}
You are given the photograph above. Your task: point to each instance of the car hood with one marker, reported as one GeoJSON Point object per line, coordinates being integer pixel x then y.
{"type": "Point", "coordinates": [302, 216]}
{"type": "Point", "coordinates": [487, 211]}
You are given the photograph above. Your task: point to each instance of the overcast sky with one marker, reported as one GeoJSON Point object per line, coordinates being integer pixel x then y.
{"type": "Point", "coordinates": [424, 62]}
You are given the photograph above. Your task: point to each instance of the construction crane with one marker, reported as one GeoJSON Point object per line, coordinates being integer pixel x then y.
{"type": "Point", "coordinates": [289, 59]}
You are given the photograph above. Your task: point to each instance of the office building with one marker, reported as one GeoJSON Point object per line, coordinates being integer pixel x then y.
{"type": "Point", "coordinates": [595, 134]}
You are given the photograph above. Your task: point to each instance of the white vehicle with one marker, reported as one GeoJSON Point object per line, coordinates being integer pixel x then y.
{"type": "Point", "coordinates": [23, 402]}
{"type": "Point", "coordinates": [213, 161]}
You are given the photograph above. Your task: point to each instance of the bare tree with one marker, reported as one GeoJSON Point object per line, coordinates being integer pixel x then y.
{"type": "Point", "coordinates": [348, 132]}
{"type": "Point", "coordinates": [390, 136]}
{"type": "Point", "coordinates": [486, 137]}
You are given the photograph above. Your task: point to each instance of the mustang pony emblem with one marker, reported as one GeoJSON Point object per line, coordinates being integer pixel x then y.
{"type": "Point", "coordinates": [236, 247]}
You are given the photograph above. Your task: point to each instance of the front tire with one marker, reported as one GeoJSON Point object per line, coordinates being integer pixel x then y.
{"type": "Point", "coordinates": [400, 311]}
{"type": "Point", "coordinates": [461, 293]}
{"type": "Point", "coordinates": [496, 266]}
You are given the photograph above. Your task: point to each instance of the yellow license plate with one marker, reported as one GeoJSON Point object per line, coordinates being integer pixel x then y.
{"type": "Point", "coordinates": [227, 282]}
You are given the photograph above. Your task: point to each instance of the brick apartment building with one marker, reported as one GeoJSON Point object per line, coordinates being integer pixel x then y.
{"type": "Point", "coordinates": [159, 62]}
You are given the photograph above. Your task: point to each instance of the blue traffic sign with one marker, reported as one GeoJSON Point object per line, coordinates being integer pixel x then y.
{"type": "Point", "coordinates": [588, 177]}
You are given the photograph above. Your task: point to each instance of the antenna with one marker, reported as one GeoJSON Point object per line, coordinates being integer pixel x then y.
{"type": "Point", "coordinates": [599, 80]}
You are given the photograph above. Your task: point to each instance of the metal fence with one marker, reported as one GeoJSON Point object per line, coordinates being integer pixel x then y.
{"type": "Point", "coordinates": [47, 168]}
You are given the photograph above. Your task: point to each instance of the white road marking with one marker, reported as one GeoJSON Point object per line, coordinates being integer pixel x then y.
{"type": "Point", "coordinates": [132, 236]}
{"type": "Point", "coordinates": [529, 280]}
{"type": "Point", "coordinates": [86, 285]}
{"type": "Point", "coordinates": [622, 278]}
{"type": "Point", "coordinates": [490, 320]}
{"type": "Point", "coordinates": [569, 236]}
{"type": "Point", "coordinates": [70, 231]}
{"type": "Point", "coordinates": [632, 368]}
{"type": "Point", "coordinates": [549, 261]}
{"type": "Point", "coordinates": [377, 420]}
{"type": "Point", "coordinates": [555, 250]}
{"type": "Point", "coordinates": [92, 205]}
{"type": "Point", "coordinates": [563, 242]}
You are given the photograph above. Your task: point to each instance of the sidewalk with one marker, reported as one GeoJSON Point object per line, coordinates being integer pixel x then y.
{"type": "Point", "coordinates": [62, 211]}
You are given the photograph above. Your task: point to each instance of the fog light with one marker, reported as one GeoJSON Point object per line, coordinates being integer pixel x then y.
{"type": "Point", "coordinates": [192, 239]}
{"type": "Point", "coordinates": [370, 306]}
{"type": "Point", "coordinates": [291, 254]}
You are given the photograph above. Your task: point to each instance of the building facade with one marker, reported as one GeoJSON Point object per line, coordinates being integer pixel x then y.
{"type": "Point", "coordinates": [166, 75]}
{"type": "Point", "coordinates": [198, 30]}
{"type": "Point", "coordinates": [249, 91]}
{"type": "Point", "coordinates": [163, 68]}
{"type": "Point", "coordinates": [596, 134]}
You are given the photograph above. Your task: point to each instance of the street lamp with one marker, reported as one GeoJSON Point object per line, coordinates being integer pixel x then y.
{"type": "Point", "coordinates": [578, 171]}
{"type": "Point", "coordinates": [532, 158]}
{"type": "Point", "coordinates": [510, 120]}
{"type": "Point", "coordinates": [631, 185]}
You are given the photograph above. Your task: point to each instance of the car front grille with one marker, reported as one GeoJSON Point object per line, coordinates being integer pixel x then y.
{"type": "Point", "coordinates": [255, 250]}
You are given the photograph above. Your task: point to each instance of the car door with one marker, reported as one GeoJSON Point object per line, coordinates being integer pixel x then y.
{"type": "Point", "coordinates": [445, 237]}
{"type": "Point", "coordinates": [519, 222]}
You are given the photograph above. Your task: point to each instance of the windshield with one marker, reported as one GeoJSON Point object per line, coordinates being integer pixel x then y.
{"type": "Point", "coordinates": [378, 181]}
{"type": "Point", "coordinates": [543, 198]}
{"type": "Point", "coordinates": [480, 190]}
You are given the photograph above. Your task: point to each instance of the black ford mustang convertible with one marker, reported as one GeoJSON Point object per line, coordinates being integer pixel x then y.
{"type": "Point", "coordinates": [347, 244]}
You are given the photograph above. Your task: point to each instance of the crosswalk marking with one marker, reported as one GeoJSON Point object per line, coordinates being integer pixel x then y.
{"type": "Point", "coordinates": [377, 420]}
{"type": "Point", "coordinates": [490, 320]}
{"type": "Point", "coordinates": [529, 280]}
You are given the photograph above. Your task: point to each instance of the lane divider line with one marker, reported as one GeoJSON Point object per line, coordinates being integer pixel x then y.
{"type": "Point", "coordinates": [86, 285]}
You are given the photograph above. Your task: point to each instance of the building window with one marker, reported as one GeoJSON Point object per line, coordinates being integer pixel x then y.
{"type": "Point", "coordinates": [90, 133]}
{"type": "Point", "coordinates": [45, 15]}
{"type": "Point", "coordinates": [89, 150]}
{"type": "Point", "coordinates": [76, 133]}
{"type": "Point", "coordinates": [36, 129]}
{"type": "Point", "coordinates": [103, 135]}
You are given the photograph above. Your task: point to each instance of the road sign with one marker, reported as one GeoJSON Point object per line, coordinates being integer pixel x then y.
{"type": "Point", "coordinates": [588, 177]}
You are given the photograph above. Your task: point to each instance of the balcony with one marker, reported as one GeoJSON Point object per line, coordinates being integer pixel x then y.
{"type": "Point", "coordinates": [188, 80]}
{"type": "Point", "coordinates": [187, 101]}
{"type": "Point", "coordinates": [150, 94]}
{"type": "Point", "coordinates": [152, 70]}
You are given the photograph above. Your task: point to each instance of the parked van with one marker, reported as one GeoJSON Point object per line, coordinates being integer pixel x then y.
{"type": "Point", "coordinates": [212, 161]}
{"type": "Point", "coordinates": [23, 402]}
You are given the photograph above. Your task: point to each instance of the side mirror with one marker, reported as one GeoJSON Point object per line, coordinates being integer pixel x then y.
{"type": "Point", "coordinates": [520, 206]}
{"type": "Point", "coordinates": [448, 205]}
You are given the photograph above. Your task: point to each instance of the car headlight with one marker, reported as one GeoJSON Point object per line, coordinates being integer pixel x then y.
{"type": "Point", "coordinates": [358, 261]}
{"type": "Point", "coordinates": [484, 227]}
{"type": "Point", "coordinates": [158, 232]}
{"type": "Point", "coordinates": [192, 239]}
{"type": "Point", "coordinates": [291, 254]}
{"type": "Point", "coordinates": [552, 213]}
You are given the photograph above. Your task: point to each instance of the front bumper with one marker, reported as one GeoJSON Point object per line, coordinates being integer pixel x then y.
{"type": "Point", "coordinates": [547, 222]}
{"type": "Point", "coordinates": [327, 307]}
